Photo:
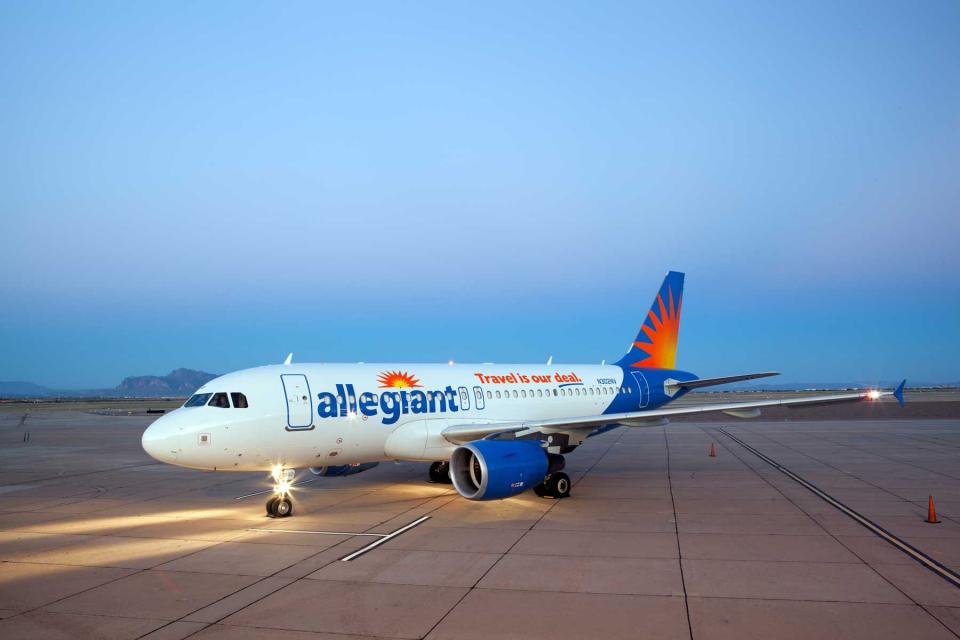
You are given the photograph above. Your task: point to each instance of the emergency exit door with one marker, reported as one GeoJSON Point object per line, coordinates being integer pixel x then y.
{"type": "Point", "coordinates": [299, 406]}
{"type": "Point", "coordinates": [478, 395]}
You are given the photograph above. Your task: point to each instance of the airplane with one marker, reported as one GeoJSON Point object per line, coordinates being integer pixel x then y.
{"type": "Point", "coordinates": [492, 430]}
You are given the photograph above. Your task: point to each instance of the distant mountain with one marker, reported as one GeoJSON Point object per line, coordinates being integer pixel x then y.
{"type": "Point", "coordinates": [24, 390]}
{"type": "Point", "coordinates": [179, 382]}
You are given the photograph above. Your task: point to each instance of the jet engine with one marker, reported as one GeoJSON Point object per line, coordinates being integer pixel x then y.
{"type": "Point", "coordinates": [494, 469]}
{"type": "Point", "coordinates": [343, 469]}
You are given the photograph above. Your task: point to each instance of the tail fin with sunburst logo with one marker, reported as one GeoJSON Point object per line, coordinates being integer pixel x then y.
{"type": "Point", "coordinates": [655, 347]}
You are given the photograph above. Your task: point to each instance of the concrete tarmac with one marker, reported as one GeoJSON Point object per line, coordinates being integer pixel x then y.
{"type": "Point", "coordinates": [659, 540]}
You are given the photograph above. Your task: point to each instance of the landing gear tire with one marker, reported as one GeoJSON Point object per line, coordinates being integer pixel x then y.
{"type": "Point", "coordinates": [279, 507]}
{"type": "Point", "coordinates": [556, 485]}
{"type": "Point", "coordinates": [270, 504]}
{"type": "Point", "coordinates": [440, 472]}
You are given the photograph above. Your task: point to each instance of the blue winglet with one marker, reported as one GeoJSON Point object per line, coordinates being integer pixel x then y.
{"type": "Point", "coordinates": [898, 392]}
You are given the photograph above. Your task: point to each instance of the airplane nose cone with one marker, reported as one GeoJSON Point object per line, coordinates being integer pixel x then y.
{"type": "Point", "coordinates": [162, 440]}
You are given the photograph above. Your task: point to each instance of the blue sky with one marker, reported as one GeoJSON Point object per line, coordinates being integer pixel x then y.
{"type": "Point", "coordinates": [214, 185]}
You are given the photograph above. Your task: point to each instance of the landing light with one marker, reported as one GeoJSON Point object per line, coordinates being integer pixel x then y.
{"type": "Point", "coordinates": [283, 488]}
{"type": "Point", "coordinates": [873, 395]}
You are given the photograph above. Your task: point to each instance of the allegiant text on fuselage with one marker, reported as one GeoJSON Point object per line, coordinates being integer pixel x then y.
{"type": "Point", "coordinates": [390, 405]}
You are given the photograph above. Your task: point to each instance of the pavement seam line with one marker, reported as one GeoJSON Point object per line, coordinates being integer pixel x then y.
{"type": "Point", "coordinates": [834, 537]}
{"type": "Point", "coordinates": [855, 476]}
{"type": "Point", "coordinates": [517, 541]}
{"type": "Point", "coordinates": [676, 530]}
{"type": "Point", "coordinates": [296, 580]}
{"type": "Point", "coordinates": [935, 566]}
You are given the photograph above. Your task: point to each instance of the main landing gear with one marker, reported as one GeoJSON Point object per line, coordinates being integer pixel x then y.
{"type": "Point", "coordinates": [440, 472]}
{"type": "Point", "coordinates": [557, 483]}
{"type": "Point", "coordinates": [279, 505]}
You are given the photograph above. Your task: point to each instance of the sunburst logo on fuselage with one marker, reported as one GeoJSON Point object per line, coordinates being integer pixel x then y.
{"type": "Point", "coordinates": [397, 380]}
{"type": "Point", "coordinates": [662, 331]}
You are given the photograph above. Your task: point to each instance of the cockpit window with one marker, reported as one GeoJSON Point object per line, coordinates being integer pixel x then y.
{"type": "Point", "coordinates": [198, 400]}
{"type": "Point", "coordinates": [220, 400]}
{"type": "Point", "coordinates": [239, 400]}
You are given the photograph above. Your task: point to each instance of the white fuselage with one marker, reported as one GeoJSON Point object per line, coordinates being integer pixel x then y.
{"type": "Point", "coordinates": [314, 415]}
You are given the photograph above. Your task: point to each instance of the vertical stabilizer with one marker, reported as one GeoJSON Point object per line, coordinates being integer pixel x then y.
{"type": "Point", "coordinates": [655, 346]}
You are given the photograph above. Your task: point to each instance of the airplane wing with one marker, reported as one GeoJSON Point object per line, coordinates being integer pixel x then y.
{"type": "Point", "coordinates": [461, 434]}
{"type": "Point", "coordinates": [709, 382]}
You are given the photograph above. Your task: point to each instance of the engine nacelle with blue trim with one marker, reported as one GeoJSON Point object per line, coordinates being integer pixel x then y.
{"type": "Point", "coordinates": [495, 469]}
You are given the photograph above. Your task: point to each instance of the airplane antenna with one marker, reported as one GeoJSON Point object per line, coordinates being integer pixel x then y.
{"type": "Point", "coordinates": [549, 361]}
{"type": "Point", "coordinates": [289, 359]}
{"type": "Point", "coordinates": [603, 362]}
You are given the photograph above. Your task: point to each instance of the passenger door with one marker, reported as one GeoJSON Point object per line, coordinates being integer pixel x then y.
{"type": "Point", "coordinates": [296, 389]}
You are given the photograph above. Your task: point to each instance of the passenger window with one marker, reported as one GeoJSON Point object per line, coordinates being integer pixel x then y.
{"type": "Point", "coordinates": [498, 395]}
{"type": "Point", "coordinates": [220, 401]}
{"type": "Point", "coordinates": [198, 400]}
{"type": "Point", "coordinates": [554, 392]}
{"type": "Point", "coordinates": [489, 395]}
{"type": "Point", "coordinates": [539, 393]}
{"type": "Point", "coordinates": [514, 393]}
{"type": "Point", "coordinates": [239, 400]}
{"type": "Point", "coordinates": [523, 393]}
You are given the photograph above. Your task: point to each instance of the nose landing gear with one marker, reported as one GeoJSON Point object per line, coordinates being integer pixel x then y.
{"type": "Point", "coordinates": [280, 505]}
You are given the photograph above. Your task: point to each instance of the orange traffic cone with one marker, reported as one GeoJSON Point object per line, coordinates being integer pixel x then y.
{"type": "Point", "coordinates": [932, 513]}
{"type": "Point", "coordinates": [713, 451]}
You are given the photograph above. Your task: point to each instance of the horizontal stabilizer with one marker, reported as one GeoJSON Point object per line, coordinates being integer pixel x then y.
{"type": "Point", "coordinates": [898, 392]}
{"type": "Point", "coordinates": [709, 382]}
